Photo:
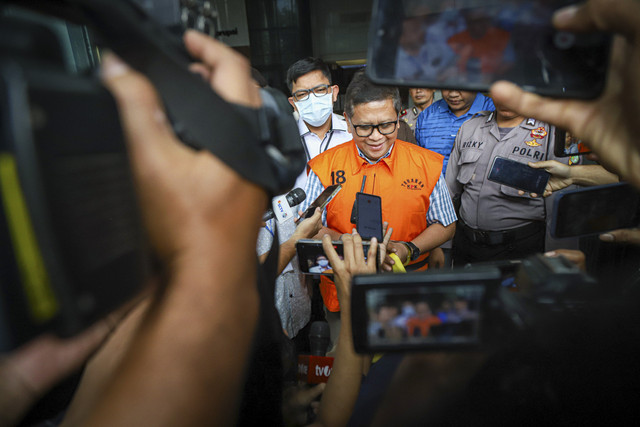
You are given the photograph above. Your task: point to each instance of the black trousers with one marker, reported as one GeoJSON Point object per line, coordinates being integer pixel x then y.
{"type": "Point", "coordinates": [465, 251]}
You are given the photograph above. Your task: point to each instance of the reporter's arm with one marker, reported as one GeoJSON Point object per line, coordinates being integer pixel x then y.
{"type": "Point", "coordinates": [343, 386]}
{"type": "Point", "coordinates": [563, 175]}
{"type": "Point", "coordinates": [187, 360]}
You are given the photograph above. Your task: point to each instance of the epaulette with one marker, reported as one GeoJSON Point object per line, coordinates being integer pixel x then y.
{"type": "Point", "coordinates": [483, 113]}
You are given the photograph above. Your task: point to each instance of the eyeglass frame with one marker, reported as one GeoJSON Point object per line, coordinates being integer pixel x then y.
{"type": "Point", "coordinates": [376, 127]}
{"type": "Point", "coordinates": [308, 92]}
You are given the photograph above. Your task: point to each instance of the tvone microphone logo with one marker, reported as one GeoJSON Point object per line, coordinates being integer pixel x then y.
{"type": "Point", "coordinates": [323, 371]}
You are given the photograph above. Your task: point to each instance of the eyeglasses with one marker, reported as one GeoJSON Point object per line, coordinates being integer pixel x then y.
{"type": "Point", "coordinates": [384, 128]}
{"type": "Point", "coordinates": [302, 94]}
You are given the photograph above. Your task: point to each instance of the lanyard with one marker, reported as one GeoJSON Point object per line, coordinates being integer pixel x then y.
{"type": "Point", "coordinates": [322, 150]}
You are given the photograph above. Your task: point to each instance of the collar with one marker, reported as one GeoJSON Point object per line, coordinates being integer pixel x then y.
{"type": "Point", "coordinates": [476, 106]}
{"type": "Point", "coordinates": [360, 160]}
{"type": "Point", "coordinates": [337, 124]}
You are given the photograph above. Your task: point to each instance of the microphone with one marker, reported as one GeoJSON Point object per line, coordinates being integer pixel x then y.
{"type": "Point", "coordinates": [294, 198]}
{"type": "Point", "coordinates": [319, 338]}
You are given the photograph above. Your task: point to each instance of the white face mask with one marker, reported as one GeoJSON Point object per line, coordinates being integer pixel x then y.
{"type": "Point", "coordinates": [315, 110]}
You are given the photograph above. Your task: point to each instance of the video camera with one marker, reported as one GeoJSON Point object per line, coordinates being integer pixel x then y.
{"type": "Point", "coordinates": [476, 307]}
{"type": "Point", "coordinates": [71, 240]}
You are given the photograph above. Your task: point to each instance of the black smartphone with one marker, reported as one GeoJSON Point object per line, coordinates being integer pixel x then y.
{"type": "Point", "coordinates": [468, 46]}
{"type": "Point", "coordinates": [421, 311]}
{"type": "Point", "coordinates": [595, 210]}
{"type": "Point", "coordinates": [518, 175]}
{"type": "Point", "coordinates": [369, 216]}
{"type": "Point", "coordinates": [323, 199]}
{"type": "Point", "coordinates": [567, 145]}
{"type": "Point", "coordinates": [313, 260]}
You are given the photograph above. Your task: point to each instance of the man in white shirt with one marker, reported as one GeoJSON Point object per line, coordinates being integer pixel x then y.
{"type": "Point", "coordinates": [312, 97]}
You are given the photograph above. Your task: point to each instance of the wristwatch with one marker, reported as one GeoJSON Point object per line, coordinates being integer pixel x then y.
{"type": "Point", "coordinates": [414, 251]}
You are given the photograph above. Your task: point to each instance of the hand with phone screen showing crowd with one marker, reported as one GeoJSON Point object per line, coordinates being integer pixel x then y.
{"type": "Point", "coordinates": [313, 259]}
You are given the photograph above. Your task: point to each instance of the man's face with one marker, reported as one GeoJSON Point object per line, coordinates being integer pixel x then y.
{"type": "Point", "coordinates": [505, 114]}
{"type": "Point", "coordinates": [309, 81]}
{"type": "Point", "coordinates": [459, 101]}
{"type": "Point", "coordinates": [421, 96]}
{"type": "Point", "coordinates": [375, 145]}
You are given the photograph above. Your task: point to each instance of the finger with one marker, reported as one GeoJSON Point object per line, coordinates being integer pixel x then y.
{"type": "Point", "coordinates": [385, 225]}
{"type": "Point", "coordinates": [203, 70]}
{"type": "Point", "coordinates": [371, 256]}
{"type": "Point", "coordinates": [231, 73]}
{"type": "Point", "coordinates": [621, 16]}
{"type": "Point", "coordinates": [567, 114]}
{"type": "Point", "coordinates": [520, 193]}
{"type": "Point", "coordinates": [630, 235]}
{"type": "Point", "coordinates": [358, 251]}
{"type": "Point", "coordinates": [349, 258]}
{"type": "Point", "coordinates": [305, 397]}
{"type": "Point", "coordinates": [330, 252]}
{"type": "Point", "coordinates": [534, 195]}
{"type": "Point", "coordinates": [387, 236]}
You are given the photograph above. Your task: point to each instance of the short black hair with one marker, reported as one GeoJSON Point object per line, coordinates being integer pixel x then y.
{"type": "Point", "coordinates": [361, 90]}
{"type": "Point", "coordinates": [305, 66]}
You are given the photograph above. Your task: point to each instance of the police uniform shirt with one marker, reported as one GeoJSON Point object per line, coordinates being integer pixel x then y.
{"type": "Point", "coordinates": [410, 117]}
{"type": "Point", "coordinates": [487, 205]}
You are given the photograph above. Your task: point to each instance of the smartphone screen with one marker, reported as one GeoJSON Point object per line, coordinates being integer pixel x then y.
{"type": "Point", "coordinates": [313, 260]}
{"type": "Point", "coordinates": [595, 210]}
{"type": "Point", "coordinates": [518, 175]}
{"type": "Point", "coordinates": [420, 311]}
{"type": "Point", "coordinates": [571, 147]}
{"type": "Point", "coordinates": [369, 216]}
{"type": "Point", "coordinates": [323, 199]}
{"type": "Point", "coordinates": [468, 46]}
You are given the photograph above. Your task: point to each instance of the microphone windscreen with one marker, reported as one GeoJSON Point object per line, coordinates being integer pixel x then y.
{"type": "Point", "coordinates": [296, 196]}
{"type": "Point", "coordinates": [319, 338]}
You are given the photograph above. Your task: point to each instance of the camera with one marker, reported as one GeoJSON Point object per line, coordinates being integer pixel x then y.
{"type": "Point", "coordinates": [71, 240]}
{"type": "Point", "coordinates": [470, 308]}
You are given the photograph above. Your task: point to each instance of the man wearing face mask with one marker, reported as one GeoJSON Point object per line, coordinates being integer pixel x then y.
{"type": "Point", "coordinates": [312, 97]}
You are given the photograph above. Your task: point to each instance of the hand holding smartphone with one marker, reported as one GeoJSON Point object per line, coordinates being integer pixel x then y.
{"type": "Point", "coordinates": [518, 175]}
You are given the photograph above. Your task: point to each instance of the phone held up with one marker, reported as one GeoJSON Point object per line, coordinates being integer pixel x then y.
{"type": "Point", "coordinates": [468, 46]}
{"type": "Point", "coordinates": [518, 175]}
{"type": "Point", "coordinates": [313, 260]}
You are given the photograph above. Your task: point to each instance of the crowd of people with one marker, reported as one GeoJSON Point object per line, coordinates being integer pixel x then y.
{"type": "Point", "coordinates": [204, 344]}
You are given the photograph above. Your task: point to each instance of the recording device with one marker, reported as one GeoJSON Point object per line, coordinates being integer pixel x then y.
{"type": "Point", "coordinates": [323, 199]}
{"type": "Point", "coordinates": [518, 175]}
{"type": "Point", "coordinates": [594, 210]}
{"type": "Point", "coordinates": [461, 309]}
{"type": "Point", "coordinates": [369, 216]}
{"type": "Point", "coordinates": [262, 145]}
{"type": "Point", "coordinates": [319, 338]}
{"type": "Point", "coordinates": [313, 260]}
{"type": "Point", "coordinates": [567, 145]}
{"type": "Point", "coordinates": [72, 247]}
{"type": "Point", "coordinates": [293, 198]}
{"type": "Point", "coordinates": [469, 45]}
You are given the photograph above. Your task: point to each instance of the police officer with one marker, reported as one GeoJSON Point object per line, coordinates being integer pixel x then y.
{"type": "Point", "coordinates": [496, 221]}
{"type": "Point", "coordinates": [422, 98]}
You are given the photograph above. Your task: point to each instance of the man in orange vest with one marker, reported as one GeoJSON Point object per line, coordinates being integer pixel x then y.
{"type": "Point", "coordinates": [415, 199]}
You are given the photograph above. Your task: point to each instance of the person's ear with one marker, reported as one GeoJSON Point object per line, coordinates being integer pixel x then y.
{"type": "Point", "coordinates": [346, 118]}
{"type": "Point", "coordinates": [293, 104]}
{"type": "Point", "coordinates": [334, 90]}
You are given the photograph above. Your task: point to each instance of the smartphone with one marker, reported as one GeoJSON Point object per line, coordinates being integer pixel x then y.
{"type": "Point", "coordinates": [323, 199]}
{"type": "Point", "coordinates": [369, 216]}
{"type": "Point", "coordinates": [567, 145]}
{"type": "Point", "coordinates": [313, 260]}
{"type": "Point", "coordinates": [518, 175]}
{"type": "Point", "coordinates": [421, 311]}
{"type": "Point", "coordinates": [469, 45]}
{"type": "Point", "coordinates": [595, 210]}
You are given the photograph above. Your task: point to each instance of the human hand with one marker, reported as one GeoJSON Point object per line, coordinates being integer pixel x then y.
{"type": "Point", "coordinates": [575, 256]}
{"type": "Point", "coordinates": [30, 371]}
{"type": "Point", "coordinates": [436, 258]}
{"type": "Point", "coordinates": [397, 248]}
{"type": "Point", "coordinates": [353, 262]}
{"type": "Point", "coordinates": [308, 227]}
{"type": "Point", "coordinates": [382, 247]}
{"type": "Point", "coordinates": [609, 124]}
{"type": "Point", "coordinates": [627, 235]}
{"type": "Point", "coordinates": [186, 196]}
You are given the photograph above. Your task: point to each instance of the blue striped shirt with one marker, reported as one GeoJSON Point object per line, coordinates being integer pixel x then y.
{"type": "Point", "coordinates": [440, 205]}
{"type": "Point", "coordinates": [437, 126]}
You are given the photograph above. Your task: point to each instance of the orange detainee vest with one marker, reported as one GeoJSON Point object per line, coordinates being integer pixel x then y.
{"type": "Point", "coordinates": [404, 181]}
